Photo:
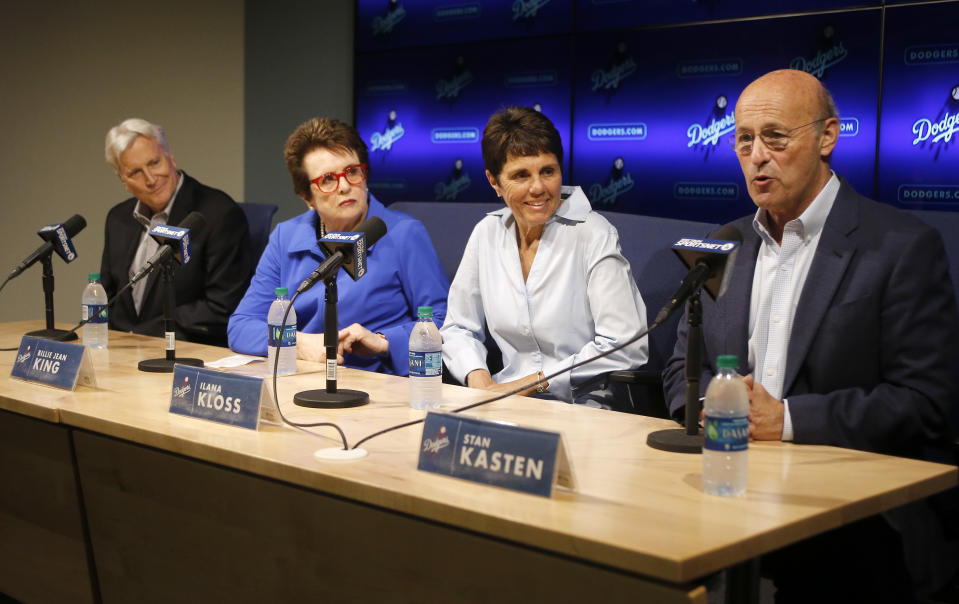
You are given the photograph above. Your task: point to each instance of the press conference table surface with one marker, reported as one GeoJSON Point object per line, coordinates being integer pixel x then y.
{"type": "Point", "coordinates": [635, 509]}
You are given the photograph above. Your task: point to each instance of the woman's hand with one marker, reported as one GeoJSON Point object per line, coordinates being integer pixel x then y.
{"type": "Point", "coordinates": [309, 347]}
{"type": "Point", "coordinates": [360, 341]}
{"type": "Point", "coordinates": [481, 378]}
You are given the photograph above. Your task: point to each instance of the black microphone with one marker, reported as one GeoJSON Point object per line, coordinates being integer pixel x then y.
{"type": "Point", "coordinates": [346, 250]}
{"type": "Point", "coordinates": [174, 241]}
{"type": "Point", "coordinates": [53, 241]}
{"type": "Point", "coordinates": [710, 262]}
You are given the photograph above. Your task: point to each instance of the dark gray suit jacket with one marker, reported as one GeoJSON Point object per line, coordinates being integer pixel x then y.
{"type": "Point", "coordinates": [208, 288]}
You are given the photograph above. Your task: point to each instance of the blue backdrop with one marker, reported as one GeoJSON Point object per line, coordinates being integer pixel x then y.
{"type": "Point", "coordinates": [643, 91]}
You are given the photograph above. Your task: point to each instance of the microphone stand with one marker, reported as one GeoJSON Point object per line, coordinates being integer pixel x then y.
{"type": "Point", "coordinates": [50, 332]}
{"type": "Point", "coordinates": [165, 365]}
{"type": "Point", "coordinates": [690, 439]}
{"type": "Point", "coordinates": [331, 398]}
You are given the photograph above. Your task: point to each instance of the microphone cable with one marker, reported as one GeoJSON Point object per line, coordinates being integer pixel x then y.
{"type": "Point", "coordinates": [276, 399]}
{"type": "Point", "coordinates": [498, 397]}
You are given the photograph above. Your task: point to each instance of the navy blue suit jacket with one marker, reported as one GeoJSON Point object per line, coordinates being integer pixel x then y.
{"type": "Point", "coordinates": [872, 360]}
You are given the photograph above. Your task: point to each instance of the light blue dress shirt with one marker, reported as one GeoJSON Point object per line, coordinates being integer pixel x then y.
{"type": "Point", "coordinates": [580, 299]}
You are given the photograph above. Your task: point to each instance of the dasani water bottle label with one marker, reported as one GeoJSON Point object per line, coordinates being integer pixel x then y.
{"type": "Point", "coordinates": [726, 433]}
{"type": "Point", "coordinates": [426, 364]}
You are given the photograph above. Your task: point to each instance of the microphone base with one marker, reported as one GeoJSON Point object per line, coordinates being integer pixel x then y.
{"type": "Point", "coordinates": [321, 399]}
{"type": "Point", "coordinates": [54, 334]}
{"type": "Point", "coordinates": [676, 441]}
{"type": "Point", "coordinates": [166, 365]}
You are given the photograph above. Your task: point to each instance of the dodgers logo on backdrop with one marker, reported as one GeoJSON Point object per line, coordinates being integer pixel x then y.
{"type": "Point", "coordinates": [935, 130]}
{"type": "Point", "coordinates": [457, 182]}
{"type": "Point", "coordinates": [527, 9]}
{"type": "Point", "coordinates": [384, 140]}
{"type": "Point", "coordinates": [818, 65]}
{"type": "Point", "coordinates": [450, 88]}
{"type": "Point", "coordinates": [710, 133]}
{"type": "Point", "coordinates": [621, 67]}
{"type": "Point", "coordinates": [434, 445]}
{"type": "Point", "coordinates": [720, 123]}
{"type": "Point", "coordinates": [384, 24]}
{"type": "Point", "coordinates": [619, 182]}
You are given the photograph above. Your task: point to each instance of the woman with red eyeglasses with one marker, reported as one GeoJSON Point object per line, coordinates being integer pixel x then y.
{"type": "Point", "coordinates": [328, 161]}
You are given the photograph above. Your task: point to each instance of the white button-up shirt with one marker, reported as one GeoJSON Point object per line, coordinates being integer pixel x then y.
{"type": "Point", "coordinates": [781, 271]}
{"type": "Point", "coordinates": [579, 299]}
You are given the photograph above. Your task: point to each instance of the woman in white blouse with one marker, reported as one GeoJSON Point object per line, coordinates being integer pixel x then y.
{"type": "Point", "coordinates": [544, 275]}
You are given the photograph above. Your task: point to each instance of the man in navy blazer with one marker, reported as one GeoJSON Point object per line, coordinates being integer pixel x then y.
{"type": "Point", "coordinates": [843, 317]}
{"type": "Point", "coordinates": [211, 284]}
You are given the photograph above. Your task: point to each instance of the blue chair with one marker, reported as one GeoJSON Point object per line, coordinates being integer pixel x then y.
{"type": "Point", "coordinates": [449, 225]}
{"type": "Point", "coordinates": [259, 216]}
{"type": "Point", "coordinates": [646, 242]}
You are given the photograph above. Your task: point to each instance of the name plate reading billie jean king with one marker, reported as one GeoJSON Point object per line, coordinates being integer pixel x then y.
{"type": "Point", "coordinates": [58, 364]}
{"type": "Point", "coordinates": [236, 400]}
{"type": "Point", "coordinates": [503, 455]}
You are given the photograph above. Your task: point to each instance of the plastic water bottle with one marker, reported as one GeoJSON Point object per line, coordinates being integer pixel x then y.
{"type": "Point", "coordinates": [726, 422]}
{"type": "Point", "coordinates": [426, 362]}
{"type": "Point", "coordinates": [288, 347]}
{"type": "Point", "coordinates": [93, 301]}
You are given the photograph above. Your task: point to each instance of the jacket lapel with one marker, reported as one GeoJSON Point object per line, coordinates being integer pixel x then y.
{"type": "Point", "coordinates": [734, 304]}
{"type": "Point", "coordinates": [183, 205]}
{"type": "Point", "coordinates": [833, 254]}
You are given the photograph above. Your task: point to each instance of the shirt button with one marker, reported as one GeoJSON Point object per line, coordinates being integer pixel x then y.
{"type": "Point", "coordinates": [776, 319]}
{"type": "Point", "coordinates": [525, 331]}
{"type": "Point", "coordinates": [784, 268]}
{"type": "Point", "coordinates": [770, 372]}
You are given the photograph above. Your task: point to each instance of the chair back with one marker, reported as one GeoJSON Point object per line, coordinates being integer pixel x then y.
{"type": "Point", "coordinates": [646, 242]}
{"type": "Point", "coordinates": [259, 216]}
{"type": "Point", "coordinates": [448, 224]}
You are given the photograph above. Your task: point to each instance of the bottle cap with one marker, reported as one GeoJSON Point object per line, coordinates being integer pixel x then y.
{"type": "Point", "coordinates": [281, 291]}
{"type": "Point", "coordinates": [425, 312]}
{"type": "Point", "coordinates": [727, 361]}
{"type": "Point", "coordinates": [94, 276]}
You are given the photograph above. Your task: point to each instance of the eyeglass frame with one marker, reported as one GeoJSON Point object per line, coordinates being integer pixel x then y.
{"type": "Point", "coordinates": [338, 175]}
{"type": "Point", "coordinates": [787, 137]}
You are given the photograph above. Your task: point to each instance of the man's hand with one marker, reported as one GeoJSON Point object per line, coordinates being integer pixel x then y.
{"type": "Point", "coordinates": [765, 412]}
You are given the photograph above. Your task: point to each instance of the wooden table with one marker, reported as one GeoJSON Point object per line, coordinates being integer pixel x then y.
{"type": "Point", "coordinates": [168, 507]}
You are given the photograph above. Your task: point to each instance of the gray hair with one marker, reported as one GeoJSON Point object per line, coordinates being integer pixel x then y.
{"type": "Point", "coordinates": [121, 136]}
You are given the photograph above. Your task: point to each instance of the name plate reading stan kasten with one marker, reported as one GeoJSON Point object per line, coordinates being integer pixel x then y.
{"type": "Point", "coordinates": [503, 455]}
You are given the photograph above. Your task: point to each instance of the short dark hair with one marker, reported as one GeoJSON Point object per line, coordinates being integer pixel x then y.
{"type": "Point", "coordinates": [320, 133]}
{"type": "Point", "coordinates": [521, 132]}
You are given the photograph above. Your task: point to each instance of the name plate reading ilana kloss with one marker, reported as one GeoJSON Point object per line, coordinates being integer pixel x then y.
{"type": "Point", "coordinates": [58, 364]}
{"type": "Point", "coordinates": [236, 400]}
{"type": "Point", "coordinates": [503, 455]}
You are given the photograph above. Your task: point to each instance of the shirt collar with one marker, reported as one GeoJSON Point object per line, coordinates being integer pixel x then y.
{"type": "Point", "coordinates": [303, 238]}
{"type": "Point", "coordinates": [575, 208]}
{"type": "Point", "coordinates": [810, 223]}
{"type": "Point", "coordinates": [139, 210]}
